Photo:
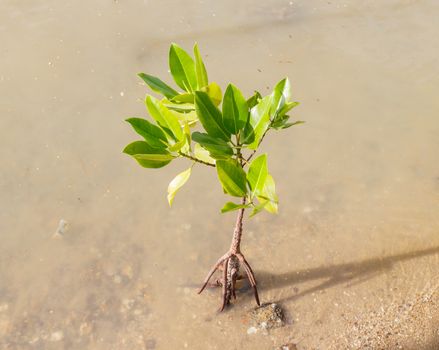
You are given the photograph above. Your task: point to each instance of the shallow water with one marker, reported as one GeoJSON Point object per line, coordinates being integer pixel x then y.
{"type": "Point", "coordinates": [357, 233]}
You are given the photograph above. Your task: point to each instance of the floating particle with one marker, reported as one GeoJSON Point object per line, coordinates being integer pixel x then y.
{"type": "Point", "coordinates": [62, 228]}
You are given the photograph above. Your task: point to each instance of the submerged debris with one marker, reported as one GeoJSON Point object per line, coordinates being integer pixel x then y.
{"type": "Point", "coordinates": [62, 228]}
{"type": "Point", "coordinates": [289, 346]}
{"type": "Point", "coordinates": [268, 316]}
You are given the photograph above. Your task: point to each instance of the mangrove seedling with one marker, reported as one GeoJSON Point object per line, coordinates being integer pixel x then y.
{"type": "Point", "coordinates": [208, 128]}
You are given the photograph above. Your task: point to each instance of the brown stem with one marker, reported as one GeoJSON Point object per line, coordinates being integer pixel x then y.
{"type": "Point", "coordinates": [237, 233]}
{"type": "Point", "coordinates": [228, 282]}
{"type": "Point", "coordinates": [195, 159]}
{"type": "Point", "coordinates": [259, 143]}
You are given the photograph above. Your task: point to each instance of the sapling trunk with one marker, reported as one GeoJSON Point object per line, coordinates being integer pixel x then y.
{"type": "Point", "coordinates": [237, 233]}
{"type": "Point", "coordinates": [222, 139]}
{"type": "Point", "coordinates": [230, 263]}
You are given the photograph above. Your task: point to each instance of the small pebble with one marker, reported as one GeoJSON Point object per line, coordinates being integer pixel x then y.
{"type": "Point", "coordinates": [289, 346]}
{"type": "Point", "coordinates": [252, 330]}
{"type": "Point", "coordinates": [85, 329]}
{"type": "Point", "coordinates": [57, 336]}
{"type": "Point", "coordinates": [268, 316]}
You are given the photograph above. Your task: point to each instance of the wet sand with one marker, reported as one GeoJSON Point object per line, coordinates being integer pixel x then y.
{"type": "Point", "coordinates": [352, 257]}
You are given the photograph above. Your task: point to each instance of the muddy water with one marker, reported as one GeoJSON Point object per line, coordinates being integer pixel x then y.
{"type": "Point", "coordinates": [353, 256]}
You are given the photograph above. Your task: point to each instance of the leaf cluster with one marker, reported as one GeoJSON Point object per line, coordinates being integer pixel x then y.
{"type": "Point", "coordinates": [208, 128]}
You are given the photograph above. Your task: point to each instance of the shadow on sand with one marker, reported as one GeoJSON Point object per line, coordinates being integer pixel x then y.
{"type": "Point", "coordinates": [352, 273]}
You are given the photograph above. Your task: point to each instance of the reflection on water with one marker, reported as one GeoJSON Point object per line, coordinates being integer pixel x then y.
{"type": "Point", "coordinates": [355, 244]}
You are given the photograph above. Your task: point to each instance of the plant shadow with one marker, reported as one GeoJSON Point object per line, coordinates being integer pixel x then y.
{"type": "Point", "coordinates": [352, 273]}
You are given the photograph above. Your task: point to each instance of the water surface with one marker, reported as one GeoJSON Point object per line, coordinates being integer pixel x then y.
{"type": "Point", "coordinates": [352, 255]}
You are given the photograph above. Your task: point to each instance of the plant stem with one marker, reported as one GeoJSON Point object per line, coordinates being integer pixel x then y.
{"type": "Point", "coordinates": [259, 143]}
{"type": "Point", "coordinates": [195, 159]}
{"type": "Point", "coordinates": [237, 233]}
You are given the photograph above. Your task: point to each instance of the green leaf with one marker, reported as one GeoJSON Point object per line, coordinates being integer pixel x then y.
{"type": "Point", "coordinates": [200, 69]}
{"type": "Point", "coordinates": [187, 134]}
{"type": "Point", "coordinates": [281, 95]}
{"type": "Point", "coordinates": [280, 121]}
{"type": "Point", "coordinates": [147, 156]}
{"type": "Point", "coordinates": [177, 146]}
{"type": "Point", "coordinates": [157, 85]}
{"type": "Point", "coordinates": [214, 92]}
{"type": "Point", "coordinates": [232, 177]}
{"type": "Point", "coordinates": [287, 125]}
{"type": "Point", "coordinates": [190, 118]}
{"type": "Point", "coordinates": [287, 107]}
{"type": "Point", "coordinates": [154, 157]}
{"type": "Point", "coordinates": [177, 183]}
{"type": "Point", "coordinates": [203, 154]}
{"type": "Point", "coordinates": [253, 101]}
{"type": "Point", "coordinates": [153, 135]}
{"type": "Point", "coordinates": [164, 117]}
{"type": "Point", "coordinates": [258, 208]}
{"type": "Point", "coordinates": [184, 98]}
{"type": "Point", "coordinates": [280, 118]}
{"type": "Point", "coordinates": [268, 195]}
{"type": "Point", "coordinates": [257, 123]}
{"type": "Point", "coordinates": [182, 68]}
{"type": "Point", "coordinates": [216, 147]}
{"type": "Point", "coordinates": [230, 206]}
{"type": "Point", "coordinates": [210, 116]}
{"type": "Point", "coordinates": [178, 107]}
{"type": "Point", "coordinates": [235, 110]}
{"type": "Point", "coordinates": [257, 174]}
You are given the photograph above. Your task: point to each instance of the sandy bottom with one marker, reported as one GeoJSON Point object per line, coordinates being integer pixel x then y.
{"type": "Point", "coordinates": [352, 257]}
